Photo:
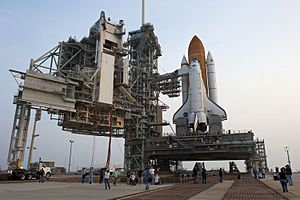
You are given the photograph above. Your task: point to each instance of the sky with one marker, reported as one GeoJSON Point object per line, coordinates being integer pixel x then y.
{"type": "Point", "coordinates": [255, 45]}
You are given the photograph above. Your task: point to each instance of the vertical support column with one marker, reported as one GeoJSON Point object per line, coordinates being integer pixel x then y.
{"type": "Point", "coordinates": [37, 118]}
{"type": "Point", "coordinates": [70, 155]}
{"type": "Point", "coordinates": [11, 151]}
{"type": "Point", "coordinates": [143, 159]}
{"type": "Point", "coordinates": [19, 135]}
{"type": "Point", "coordinates": [265, 157]}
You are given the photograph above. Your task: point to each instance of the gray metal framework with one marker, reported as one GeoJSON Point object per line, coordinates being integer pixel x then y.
{"type": "Point", "coordinates": [261, 155]}
{"type": "Point", "coordinates": [259, 159]}
{"type": "Point", "coordinates": [64, 81]}
{"type": "Point", "coordinates": [144, 51]}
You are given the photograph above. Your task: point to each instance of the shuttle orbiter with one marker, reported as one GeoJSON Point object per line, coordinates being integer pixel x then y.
{"type": "Point", "coordinates": [200, 107]}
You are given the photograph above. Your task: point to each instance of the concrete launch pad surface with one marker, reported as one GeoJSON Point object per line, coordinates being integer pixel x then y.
{"type": "Point", "coordinates": [294, 191]}
{"type": "Point", "coordinates": [77, 191]}
{"type": "Point", "coordinates": [66, 191]}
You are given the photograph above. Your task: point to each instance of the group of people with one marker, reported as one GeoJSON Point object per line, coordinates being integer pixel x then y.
{"type": "Point", "coordinates": [148, 176]}
{"type": "Point", "coordinates": [204, 175]}
{"type": "Point", "coordinates": [85, 173]}
{"type": "Point", "coordinates": [132, 177]}
{"type": "Point", "coordinates": [258, 174]}
{"type": "Point", "coordinates": [104, 176]}
{"type": "Point", "coordinates": [197, 171]}
{"type": "Point", "coordinates": [285, 177]}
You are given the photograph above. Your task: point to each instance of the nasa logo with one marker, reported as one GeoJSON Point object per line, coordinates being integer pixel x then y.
{"type": "Point", "coordinates": [185, 114]}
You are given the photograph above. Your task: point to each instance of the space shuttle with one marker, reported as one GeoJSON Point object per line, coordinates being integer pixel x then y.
{"type": "Point", "coordinates": [199, 110]}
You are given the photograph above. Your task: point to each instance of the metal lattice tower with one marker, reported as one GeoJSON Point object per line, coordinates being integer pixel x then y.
{"type": "Point", "coordinates": [259, 159]}
{"type": "Point", "coordinates": [261, 154]}
{"type": "Point", "coordinates": [143, 54]}
{"type": "Point", "coordinates": [79, 83]}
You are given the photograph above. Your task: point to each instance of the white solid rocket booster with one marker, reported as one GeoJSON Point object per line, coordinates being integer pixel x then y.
{"type": "Point", "coordinates": [211, 78]}
{"type": "Point", "coordinates": [184, 79]}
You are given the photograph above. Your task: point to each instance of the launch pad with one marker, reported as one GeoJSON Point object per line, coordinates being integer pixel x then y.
{"type": "Point", "coordinates": [104, 86]}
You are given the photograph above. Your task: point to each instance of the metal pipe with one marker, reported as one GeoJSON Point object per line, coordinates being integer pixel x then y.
{"type": "Point", "coordinates": [109, 141]}
{"type": "Point", "coordinates": [93, 151]}
{"type": "Point", "coordinates": [37, 118]}
{"type": "Point", "coordinates": [70, 155]}
{"type": "Point", "coordinates": [288, 155]}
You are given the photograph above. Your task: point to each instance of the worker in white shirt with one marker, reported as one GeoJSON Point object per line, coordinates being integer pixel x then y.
{"type": "Point", "coordinates": [132, 179]}
{"type": "Point", "coordinates": [156, 179]}
{"type": "Point", "coordinates": [151, 171]}
{"type": "Point", "coordinates": [106, 179]}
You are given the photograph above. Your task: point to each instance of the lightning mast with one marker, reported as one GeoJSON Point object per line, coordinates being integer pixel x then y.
{"type": "Point", "coordinates": [143, 12]}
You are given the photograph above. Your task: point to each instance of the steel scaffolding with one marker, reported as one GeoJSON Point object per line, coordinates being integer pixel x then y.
{"type": "Point", "coordinates": [19, 133]}
{"type": "Point", "coordinates": [144, 51]}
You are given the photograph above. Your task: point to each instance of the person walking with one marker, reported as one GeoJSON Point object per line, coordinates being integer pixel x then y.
{"type": "Point", "coordinates": [82, 175]}
{"type": "Point", "coordinates": [254, 170]}
{"type": "Point", "coordinates": [140, 172]}
{"type": "Point", "coordinates": [263, 174]}
{"type": "Point", "coordinates": [106, 179]}
{"type": "Point", "coordinates": [146, 174]}
{"type": "Point", "coordinates": [85, 173]}
{"type": "Point", "coordinates": [101, 178]}
{"type": "Point", "coordinates": [204, 176]}
{"type": "Point", "coordinates": [128, 177]}
{"type": "Point", "coordinates": [221, 175]}
{"type": "Point", "coordinates": [156, 179]}
{"type": "Point", "coordinates": [91, 175]}
{"type": "Point", "coordinates": [289, 173]}
{"type": "Point", "coordinates": [115, 175]}
{"type": "Point", "coordinates": [152, 172]}
{"type": "Point", "coordinates": [195, 174]}
{"type": "Point", "coordinates": [283, 179]}
{"type": "Point", "coordinates": [132, 179]}
{"type": "Point", "coordinates": [41, 175]}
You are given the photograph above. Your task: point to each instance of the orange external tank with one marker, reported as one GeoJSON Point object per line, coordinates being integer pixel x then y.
{"type": "Point", "coordinates": [196, 51]}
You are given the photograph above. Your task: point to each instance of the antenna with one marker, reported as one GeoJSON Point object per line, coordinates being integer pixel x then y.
{"type": "Point", "coordinates": [143, 12]}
